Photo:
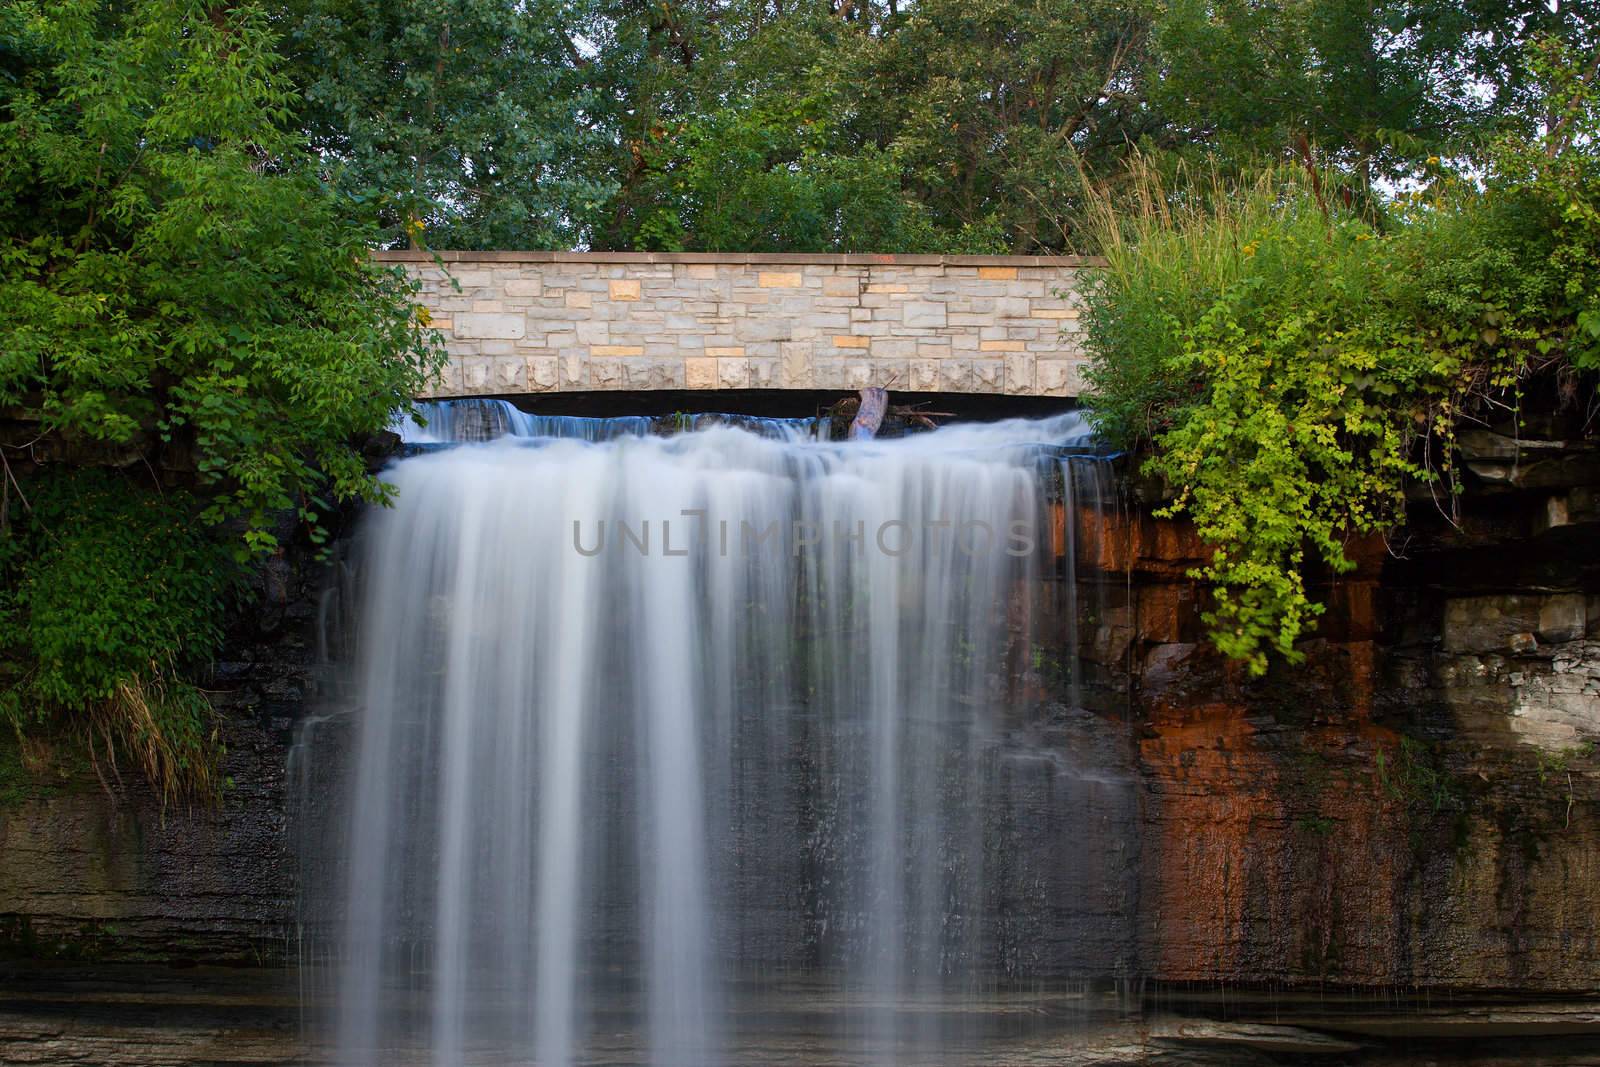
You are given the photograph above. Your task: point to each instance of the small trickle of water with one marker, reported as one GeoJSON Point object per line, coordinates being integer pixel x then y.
{"type": "Point", "coordinates": [480, 419]}
{"type": "Point", "coordinates": [644, 722]}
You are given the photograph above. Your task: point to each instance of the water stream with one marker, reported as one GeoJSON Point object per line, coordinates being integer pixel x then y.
{"type": "Point", "coordinates": [647, 728]}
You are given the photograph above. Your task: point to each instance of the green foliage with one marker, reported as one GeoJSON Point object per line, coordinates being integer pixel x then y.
{"type": "Point", "coordinates": [1560, 172]}
{"type": "Point", "coordinates": [1408, 774]}
{"type": "Point", "coordinates": [462, 118]}
{"type": "Point", "coordinates": [944, 125]}
{"type": "Point", "coordinates": [1377, 88]}
{"type": "Point", "coordinates": [1296, 362]}
{"type": "Point", "coordinates": [178, 281]}
{"type": "Point", "coordinates": [185, 294]}
{"type": "Point", "coordinates": [766, 178]}
{"type": "Point", "coordinates": [109, 593]}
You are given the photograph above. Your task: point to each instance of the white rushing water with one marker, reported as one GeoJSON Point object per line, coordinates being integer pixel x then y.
{"type": "Point", "coordinates": [645, 719]}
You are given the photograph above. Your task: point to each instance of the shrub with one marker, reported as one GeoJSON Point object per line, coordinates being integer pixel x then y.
{"type": "Point", "coordinates": [109, 594]}
{"type": "Point", "coordinates": [1295, 357]}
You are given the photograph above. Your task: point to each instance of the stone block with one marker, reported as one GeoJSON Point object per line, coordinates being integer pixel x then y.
{"type": "Point", "coordinates": [593, 332]}
{"type": "Point", "coordinates": [795, 366]}
{"type": "Point", "coordinates": [544, 375]}
{"type": "Point", "coordinates": [828, 374]}
{"type": "Point", "coordinates": [510, 375]}
{"type": "Point", "coordinates": [919, 313]}
{"type": "Point", "coordinates": [572, 366]}
{"type": "Point", "coordinates": [765, 328]}
{"type": "Point", "coordinates": [616, 350]}
{"type": "Point", "coordinates": [893, 347]}
{"type": "Point", "coordinates": [841, 285]}
{"type": "Point", "coordinates": [666, 374]}
{"type": "Point", "coordinates": [955, 375]}
{"type": "Point", "coordinates": [1053, 377]}
{"type": "Point", "coordinates": [998, 273]}
{"type": "Point", "coordinates": [851, 341]}
{"type": "Point", "coordinates": [700, 373]}
{"type": "Point", "coordinates": [476, 374]}
{"type": "Point", "coordinates": [733, 372]}
{"type": "Point", "coordinates": [577, 298]}
{"type": "Point", "coordinates": [605, 374]}
{"type": "Point", "coordinates": [764, 373]}
{"type": "Point", "coordinates": [623, 288]}
{"type": "Point", "coordinates": [635, 373]}
{"type": "Point", "coordinates": [1489, 623]}
{"type": "Point", "coordinates": [891, 373]}
{"type": "Point", "coordinates": [498, 325]}
{"type": "Point", "coordinates": [1002, 346]}
{"type": "Point", "coordinates": [988, 375]}
{"type": "Point", "coordinates": [776, 279]}
{"type": "Point", "coordinates": [923, 376]}
{"type": "Point", "coordinates": [1563, 617]}
{"type": "Point", "coordinates": [1019, 373]}
{"type": "Point", "coordinates": [525, 286]}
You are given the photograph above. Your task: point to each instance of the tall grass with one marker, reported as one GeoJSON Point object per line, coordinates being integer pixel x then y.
{"type": "Point", "coordinates": [1281, 345]}
{"type": "Point", "coordinates": [1175, 239]}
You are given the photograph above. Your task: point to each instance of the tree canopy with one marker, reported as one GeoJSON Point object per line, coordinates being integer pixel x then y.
{"type": "Point", "coordinates": [879, 125]}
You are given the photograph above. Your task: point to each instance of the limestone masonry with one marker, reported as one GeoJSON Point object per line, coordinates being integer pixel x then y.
{"type": "Point", "coordinates": [550, 322]}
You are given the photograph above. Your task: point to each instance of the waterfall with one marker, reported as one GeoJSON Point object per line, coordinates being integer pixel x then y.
{"type": "Point", "coordinates": [433, 422]}
{"type": "Point", "coordinates": [647, 725]}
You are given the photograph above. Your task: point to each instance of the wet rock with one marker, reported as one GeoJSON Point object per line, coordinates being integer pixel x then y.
{"type": "Point", "coordinates": [1259, 1037]}
{"type": "Point", "coordinates": [1558, 705]}
{"type": "Point", "coordinates": [1505, 462]}
{"type": "Point", "coordinates": [1513, 622]}
{"type": "Point", "coordinates": [1563, 618]}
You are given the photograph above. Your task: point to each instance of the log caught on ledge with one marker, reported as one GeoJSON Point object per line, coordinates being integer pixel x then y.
{"type": "Point", "coordinates": [869, 416]}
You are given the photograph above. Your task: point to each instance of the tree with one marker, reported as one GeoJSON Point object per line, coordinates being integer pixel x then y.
{"type": "Point", "coordinates": [1373, 88]}
{"type": "Point", "coordinates": [464, 118]}
{"type": "Point", "coordinates": [961, 125]}
{"type": "Point", "coordinates": [187, 303]}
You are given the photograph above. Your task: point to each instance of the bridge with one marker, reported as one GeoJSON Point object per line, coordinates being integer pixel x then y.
{"type": "Point", "coordinates": [582, 322]}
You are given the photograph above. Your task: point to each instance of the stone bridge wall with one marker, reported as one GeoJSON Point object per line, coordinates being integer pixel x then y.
{"type": "Point", "coordinates": [553, 322]}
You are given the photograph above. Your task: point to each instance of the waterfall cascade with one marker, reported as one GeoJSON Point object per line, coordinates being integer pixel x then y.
{"type": "Point", "coordinates": [648, 728]}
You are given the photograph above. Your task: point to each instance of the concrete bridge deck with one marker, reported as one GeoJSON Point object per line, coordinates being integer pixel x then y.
{"type": "Point", "coordinates": [579, 322]}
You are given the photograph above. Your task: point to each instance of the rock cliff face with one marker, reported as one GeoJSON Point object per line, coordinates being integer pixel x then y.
{"type": "Point", "coordinates": [94, 868]}
{"type": "Point", "coordinates": [1415, 804]}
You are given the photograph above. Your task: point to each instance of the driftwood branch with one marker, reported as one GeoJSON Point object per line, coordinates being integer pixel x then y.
{"type": "Point", "coordinates": [869, 416]}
